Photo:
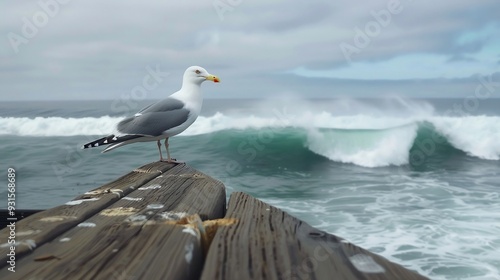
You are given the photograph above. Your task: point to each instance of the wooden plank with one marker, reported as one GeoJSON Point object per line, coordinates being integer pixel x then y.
{"type": "Point", "coordinates": [42, 227]}
{"type": "Point", "coordinates": [144, 235]}
{"type": "Point", "coordinates": [267, 243]}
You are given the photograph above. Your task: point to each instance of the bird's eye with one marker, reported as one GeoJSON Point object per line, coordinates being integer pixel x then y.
{"type": "Point", "coordinates": [197, 71]}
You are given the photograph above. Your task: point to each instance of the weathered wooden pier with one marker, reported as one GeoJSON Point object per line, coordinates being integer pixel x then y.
{"type": "Point", "coordinates": [166, 221]}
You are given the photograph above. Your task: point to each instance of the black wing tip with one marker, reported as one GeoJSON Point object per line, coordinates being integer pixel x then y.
{"type": "Point", "coordinates": [86, 146]}
{"type": "Point", "coordinates": [111, 139]}
{"type": "Point", "coordinates": [100, 142]}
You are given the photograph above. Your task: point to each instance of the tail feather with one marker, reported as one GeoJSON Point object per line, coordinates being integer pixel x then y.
{"type": "Point", "coordinates": [111, 139]}
{"type": "Point", "coordinates": [113, 146]}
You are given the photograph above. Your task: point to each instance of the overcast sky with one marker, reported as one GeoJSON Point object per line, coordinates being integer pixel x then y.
{"type": "Point", "coordinates": [89, 49]}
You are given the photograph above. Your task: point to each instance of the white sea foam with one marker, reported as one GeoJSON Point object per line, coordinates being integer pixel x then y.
{"type": "Point", "coordinates": [57, 126]}
{"type": "Point", "coordinates": [219, 121]}
{"type": "Point", "coordinates": [440, 230]}
{"type": "Point", "coordinates": [365, 148]}
{"type": "Point", "coordinates": [478, 136]}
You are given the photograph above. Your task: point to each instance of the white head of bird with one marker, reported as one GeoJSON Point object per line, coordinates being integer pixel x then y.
{"type": "Point", "coordinates": [197, 75]}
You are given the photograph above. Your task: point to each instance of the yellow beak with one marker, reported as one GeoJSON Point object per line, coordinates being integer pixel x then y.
{"type": "Point", "coordinates": [212, 78]}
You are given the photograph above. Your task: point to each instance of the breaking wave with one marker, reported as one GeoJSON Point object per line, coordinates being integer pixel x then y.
{"type": "Point", "coordinates": [360, 139]}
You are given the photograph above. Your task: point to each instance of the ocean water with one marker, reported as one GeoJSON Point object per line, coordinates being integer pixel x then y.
{"type": "Point", "coordinates": [416, 181]}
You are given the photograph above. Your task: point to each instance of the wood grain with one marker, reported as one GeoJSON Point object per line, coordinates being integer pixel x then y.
{"type": "Point", "coordinates": [268, 243]}
{"type": "Point", "coordinates": [137, 237]}
{"type": "Point", "coordinates": [42, 227]}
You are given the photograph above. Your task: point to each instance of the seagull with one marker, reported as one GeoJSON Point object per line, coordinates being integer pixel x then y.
{"type": "Point", "coordinates": [163, 119]}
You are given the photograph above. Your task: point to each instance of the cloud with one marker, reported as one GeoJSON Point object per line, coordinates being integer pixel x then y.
{"type": "Point", "coordinates": [94, 49]}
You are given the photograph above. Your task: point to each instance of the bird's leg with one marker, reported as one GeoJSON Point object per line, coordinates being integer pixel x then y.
{"type": "Point", "coordinates": [166, 148]}
{"type": "Point", "coordinates": [169, 159]}
{"type": "Point", "coordinates": [159, 149]}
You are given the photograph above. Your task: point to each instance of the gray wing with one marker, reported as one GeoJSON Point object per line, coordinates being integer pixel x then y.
{"type": "Point", "coordinates": [155, 119]}
{"type": "Point", "coordinates": [165, 105]}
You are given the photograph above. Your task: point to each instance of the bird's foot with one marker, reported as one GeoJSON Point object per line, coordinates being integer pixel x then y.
{"type": "Point", "coordinates": [172, 160]}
